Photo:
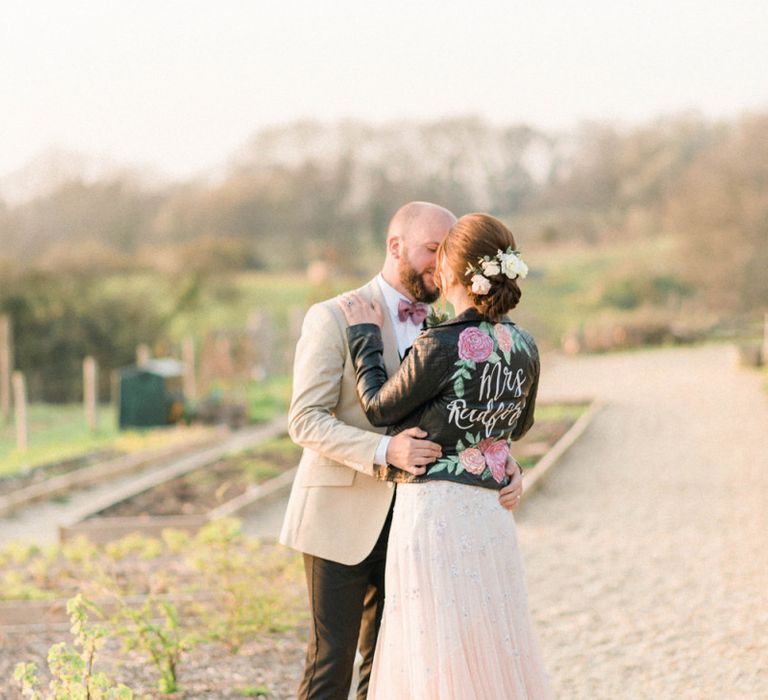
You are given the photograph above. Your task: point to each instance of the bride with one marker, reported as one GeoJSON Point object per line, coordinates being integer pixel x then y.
{"type": "Point", "coordinates": [456, 624]}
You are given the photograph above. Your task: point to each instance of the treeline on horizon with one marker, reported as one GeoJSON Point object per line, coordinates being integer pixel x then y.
{"type": "Point", "coordinates": [310, 191]}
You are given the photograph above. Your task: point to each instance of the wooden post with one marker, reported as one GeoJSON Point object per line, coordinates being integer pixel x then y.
{"type": "Point", "coordinates": [90, 393]}
{"type": "Point", "coordinates": [765, 341]}
{"type": "Point", "coordinates": [6, 366]}
{"type": "Point", "coordinates": [20, 404]}
{"type": "Point", "coordinates": [143, 354]}
{"type": "Point", "coordinates": [190, 376]}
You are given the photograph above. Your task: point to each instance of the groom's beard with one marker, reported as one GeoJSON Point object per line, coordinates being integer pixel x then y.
{"type": "Point", "coordinates": [415, 283]}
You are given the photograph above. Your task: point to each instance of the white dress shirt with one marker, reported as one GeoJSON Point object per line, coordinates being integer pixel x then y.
{"type": "Point", "coordinates": [405, 332]}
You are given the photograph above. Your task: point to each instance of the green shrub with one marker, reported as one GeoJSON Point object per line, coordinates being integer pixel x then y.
{"type": "Point", "coordinates": [73, 674]}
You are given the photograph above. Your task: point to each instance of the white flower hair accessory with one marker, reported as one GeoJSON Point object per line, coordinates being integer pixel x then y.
{"type": "Point", "coordinates": [507, 262]}
{"type": "Point", "coordinates": [480, 285]}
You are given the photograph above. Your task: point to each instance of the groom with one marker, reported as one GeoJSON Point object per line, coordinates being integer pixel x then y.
{"type": "Point", "coordinates": [338, 514]}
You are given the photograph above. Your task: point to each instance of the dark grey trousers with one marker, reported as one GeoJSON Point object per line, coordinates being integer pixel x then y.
{"type": "Point", "coordinates": [345, 604]}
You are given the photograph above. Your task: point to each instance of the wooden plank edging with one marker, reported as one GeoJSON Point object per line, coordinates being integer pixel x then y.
{"type": "Point", "coordinates": [105, 529]}
{"type": "Point", "coordinates": [533, 477]}
{"type": "Point", "coordinates": [249, 500]}
{"type": "Point", "coordinates": [94, 474]}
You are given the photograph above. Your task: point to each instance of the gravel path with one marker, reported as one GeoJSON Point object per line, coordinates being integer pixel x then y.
{"type": "Point", "coordinates": [646, 549]}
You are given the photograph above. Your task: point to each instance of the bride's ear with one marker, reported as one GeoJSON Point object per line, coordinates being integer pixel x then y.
{"type": "Point", "coordinates": [447, 276]}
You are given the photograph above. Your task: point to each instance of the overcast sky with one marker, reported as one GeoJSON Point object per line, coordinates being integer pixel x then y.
{"type": "Point", "coordinates": [179, 85]}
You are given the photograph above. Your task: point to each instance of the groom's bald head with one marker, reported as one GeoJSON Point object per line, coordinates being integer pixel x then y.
{"type": "Point", "coordinates": [420, 219]}
{"type": "Point", "coordinates": [414, 234]}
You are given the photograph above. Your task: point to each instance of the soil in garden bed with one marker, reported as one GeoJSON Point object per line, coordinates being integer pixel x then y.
{"type": "Point", "coordinates": [210, 486]}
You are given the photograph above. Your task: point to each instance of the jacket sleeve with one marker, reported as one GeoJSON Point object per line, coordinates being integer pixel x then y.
{"type": "Point", "coordinates": [525, 422]}
{"type": "Point", "coordinates": [420, 378]}
{"type": "Point", "coordinates": [318, 368]}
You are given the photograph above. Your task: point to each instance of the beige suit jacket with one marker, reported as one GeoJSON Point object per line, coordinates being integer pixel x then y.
{"type": "Point", "coordinates": [336, 508]}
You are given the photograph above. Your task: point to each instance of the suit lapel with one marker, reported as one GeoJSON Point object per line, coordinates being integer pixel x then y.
{"type": "Point", "coordinates": [391, 355]}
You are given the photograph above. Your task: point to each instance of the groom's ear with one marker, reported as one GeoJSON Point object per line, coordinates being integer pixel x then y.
{"type": "Point", "coordinates": [393, 246]}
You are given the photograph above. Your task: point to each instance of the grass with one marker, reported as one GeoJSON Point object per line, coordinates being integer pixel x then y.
{"type": "Point", "coordinates": [55, 432]}
{"type": "Point", "coordinates": [565, 287]}
{"type": "Point", "coordinates": [567, 281]}
{"type": "Point", "coordinates": [59, 432]}
{"type": "Point", "coordinates": [254, 692]}
{"type": "Point", "coordinates": [560, 411]}
{"type": "Point", "coordinates": [246, 292]}
{"type": "Point", "coordinates": [268, 398]}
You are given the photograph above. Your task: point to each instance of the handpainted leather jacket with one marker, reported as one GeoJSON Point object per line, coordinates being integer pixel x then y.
{"type": "Point", "coordinates": [469, 382]}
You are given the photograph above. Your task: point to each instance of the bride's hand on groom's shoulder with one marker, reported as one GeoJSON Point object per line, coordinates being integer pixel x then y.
{"type": "Point", "coordinates": [358, 310]}
{"type": "Point", "coordinates": [510, 495]}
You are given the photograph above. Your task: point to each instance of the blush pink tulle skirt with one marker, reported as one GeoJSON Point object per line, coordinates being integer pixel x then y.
{"type": "Point", "coordinates": [456, 624]}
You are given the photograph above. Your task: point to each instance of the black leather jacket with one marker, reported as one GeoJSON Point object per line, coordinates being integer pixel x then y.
{"type": "Point", "coordinates": [469, 382]}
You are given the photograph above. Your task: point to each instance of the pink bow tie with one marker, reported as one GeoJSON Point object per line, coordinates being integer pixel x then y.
{"type": "Point", "coordinates": [417, 311]}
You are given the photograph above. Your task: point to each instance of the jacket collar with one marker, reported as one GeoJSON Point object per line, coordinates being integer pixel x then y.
{"type": "Point", "coordinates": [471, 315]}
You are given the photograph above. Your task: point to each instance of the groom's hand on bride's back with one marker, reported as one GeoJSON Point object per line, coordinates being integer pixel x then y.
{"type": "Point", "coordinates": [410, 452]}
{"type": "Point", "coordinates": [510, 495]}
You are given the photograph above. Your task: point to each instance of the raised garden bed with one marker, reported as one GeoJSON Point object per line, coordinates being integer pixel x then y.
{"type": "Point", "coordinates": [57, 479]}
{"type": "Point", "coordinates": [200, 491]}
{"type": "Point", "coordinates": [210, 486]}
{"type": "Point", "coordinates": [236, 484]}
{"type": "Point", "coordinates": [88, 521]}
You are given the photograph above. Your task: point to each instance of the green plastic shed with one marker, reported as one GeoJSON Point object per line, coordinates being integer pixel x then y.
{"type": "Point", "coordinates": [151, 394]}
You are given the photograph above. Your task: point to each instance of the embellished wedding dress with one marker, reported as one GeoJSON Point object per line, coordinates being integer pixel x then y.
{"type": "Point", "coordinates": [456, 624]}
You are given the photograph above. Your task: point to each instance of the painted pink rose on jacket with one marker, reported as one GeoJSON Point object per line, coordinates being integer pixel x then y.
{"type": "Point", "coordinates": [503, 337]}
{"type": "Point", "coordinates": [496, 457]}
{"type": "Point", "coordinates": [475, 345]}
{"type": "Point", "coordinates": [472, 460]}
{"type": "Point", "coordinates": [484, 444]}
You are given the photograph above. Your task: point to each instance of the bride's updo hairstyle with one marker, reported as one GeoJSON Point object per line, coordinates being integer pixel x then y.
{"type": "Point", "coordinates": [471, 238]}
